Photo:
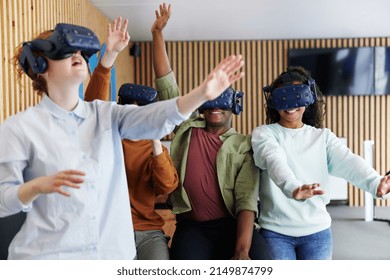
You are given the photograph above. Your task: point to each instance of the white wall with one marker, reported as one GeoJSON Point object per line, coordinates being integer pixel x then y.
{"type": "Point", "coordinates": [255, 19]}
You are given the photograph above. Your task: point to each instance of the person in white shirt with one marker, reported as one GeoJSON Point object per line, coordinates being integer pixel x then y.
{"type": "Point", "coordinates": [296, 155]}
{"type": "Point", "coordinates": [62, 160]}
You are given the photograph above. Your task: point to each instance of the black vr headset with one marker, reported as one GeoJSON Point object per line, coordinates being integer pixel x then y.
{"type": "Point", "coordinates": [229, 100]}
{"type": "Point", "coordinates": [290, 96]}
{"type": "Point", "coordinates": [132, 93]}
{"type": "Point", "coordinates": [65, 40]}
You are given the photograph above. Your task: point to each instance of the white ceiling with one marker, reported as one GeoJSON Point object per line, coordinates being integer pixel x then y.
{"type": "Point", "coordinates": [196, 20]}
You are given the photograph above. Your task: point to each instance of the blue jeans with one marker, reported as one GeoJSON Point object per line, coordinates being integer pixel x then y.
{"type": "Point", "coordinates": [316, 246]}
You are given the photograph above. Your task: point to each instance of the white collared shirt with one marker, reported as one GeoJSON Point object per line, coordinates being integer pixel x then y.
{"type": "Point", "coordinates": [95, 221]}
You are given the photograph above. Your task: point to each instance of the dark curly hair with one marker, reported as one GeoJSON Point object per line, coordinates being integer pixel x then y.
{"type": "Point", "coordinates": [314, 113]}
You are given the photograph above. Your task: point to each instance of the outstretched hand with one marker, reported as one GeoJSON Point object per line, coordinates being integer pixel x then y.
{"type": "Point", "coordinates": [223, 75]}
{"type": "Point", "coordinates": [384, 186]}
{"type": "Point", "coordinates": [56, 182]}
{"type": "Point", "coordinates": [162, 18]}
{"type": "Point", "coordinates": [118, 36]}
{"type": "Point", "coordinates": [307, 191]}
{"type": "Point", "coordinates": [29, 191]}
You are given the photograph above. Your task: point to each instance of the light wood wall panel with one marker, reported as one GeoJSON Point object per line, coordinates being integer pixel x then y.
{"type": "Point", "coordinates": [358, 118]}
{"type": "Point", "coordinates": [23, 20]}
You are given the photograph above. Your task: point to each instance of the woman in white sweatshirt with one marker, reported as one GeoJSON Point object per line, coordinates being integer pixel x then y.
{"type": "Point", "coordinates": [296, 155]}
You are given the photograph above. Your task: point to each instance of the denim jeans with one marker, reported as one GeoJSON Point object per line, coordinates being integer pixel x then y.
{"type": "Point", "coordinates": [151, 245]}
{"type": "Point", "coordinates": [316, 246]}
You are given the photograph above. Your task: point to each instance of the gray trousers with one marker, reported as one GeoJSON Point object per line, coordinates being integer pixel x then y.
{"type": "Point", "coordinates": [151, 245]}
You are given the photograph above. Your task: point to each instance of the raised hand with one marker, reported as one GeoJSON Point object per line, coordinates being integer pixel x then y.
{"type": "Point", "coordinates": [307, 191]}
{"type": "Point", "coordinates": [117, 39]}
{"type": "Point", "coordinates": [223, 75]}
{"type": "Point", "coordinates": [162, 18]}
{"type": "Point", "coordinates": [384, 186]}
{"type": "Point", "coordinates": [118, 36]}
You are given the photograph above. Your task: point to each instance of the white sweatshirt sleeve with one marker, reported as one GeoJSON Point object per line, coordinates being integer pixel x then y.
{"type": "Point", "coordinates": [270, 156]}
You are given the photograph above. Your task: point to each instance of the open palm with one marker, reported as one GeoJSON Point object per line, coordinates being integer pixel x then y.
{"type": "Point", "coordinates": [384, 186]}
{"type": "Point", "coordinates": [307, 191]}
{"type": "Point", "coordinates": [162, 18]}
{"type": "Point", "coordinates": [118, 37]}
{"type": "Point", "coordinates": [223, 76]}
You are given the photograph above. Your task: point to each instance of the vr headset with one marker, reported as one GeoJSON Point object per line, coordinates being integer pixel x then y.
{"type": "Point", "coordinates": [132, 93]}
{"type": "Point", "coordinates": [65, 40]}
{"type": "Point", "coordinates": [290, 96]}
{"type": "Point", "coordinates": [229, 100]}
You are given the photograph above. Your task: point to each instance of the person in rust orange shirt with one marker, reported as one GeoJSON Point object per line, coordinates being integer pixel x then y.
{"type": "Point", "coordinates": [149, 168]}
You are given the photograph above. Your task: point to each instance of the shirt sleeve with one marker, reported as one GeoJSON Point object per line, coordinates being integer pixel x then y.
{"type": "Point", "coordinates": [13, 161]}
{"type": "Point", "coordinates": [270, 156]}
{"type": "Point", "coordinates": [152, 121]}
{"type": "Point", "coordinates": [353, 168]}
{"type": "Point", "coordinates": [99, 84]}
{"type": "Point", "coordinates": [164, 174]}
{"type": "Point", "coordinates": [167, 87]}
{"type": "Point", "coordinates": [246, 191]}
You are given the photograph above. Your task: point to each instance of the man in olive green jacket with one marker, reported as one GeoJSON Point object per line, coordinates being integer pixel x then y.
{"type": "Point", "coordinates": [216, 201]}
{"type": "Point", "coordinates": [235, 167]}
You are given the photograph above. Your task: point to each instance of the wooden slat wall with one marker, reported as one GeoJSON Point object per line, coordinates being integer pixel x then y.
{"type": "Point", "coordinates": [357, 118]}
{"type": "Point", "coordinates": [22, 20]}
